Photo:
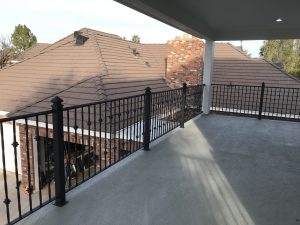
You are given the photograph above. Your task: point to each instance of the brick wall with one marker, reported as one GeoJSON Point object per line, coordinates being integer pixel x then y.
{"type": "Point", "coordinates": [26, 147]}
{"type": "Point", "coordinates": [108, 151]}
{"type": "Point", "coordinates": [185, 61]}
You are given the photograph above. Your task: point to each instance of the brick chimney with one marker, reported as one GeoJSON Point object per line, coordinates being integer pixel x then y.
{"type": "Point", "coordinates": [185, 60]}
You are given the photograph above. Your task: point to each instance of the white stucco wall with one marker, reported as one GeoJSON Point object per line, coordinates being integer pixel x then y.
{"type": "Point", "coordinates": [9, 149]}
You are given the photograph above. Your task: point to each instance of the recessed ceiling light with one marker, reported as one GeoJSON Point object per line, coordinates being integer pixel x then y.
{"type": "Point", "coordinates": [278, 20]}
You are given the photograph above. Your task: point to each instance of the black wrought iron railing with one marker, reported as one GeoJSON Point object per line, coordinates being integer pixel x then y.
{"type": "Point", "coordinates": [46, 154]}
{"type": "Point", "coordinates": [257, 101]}
{"type": "Point", "coordinates": [21, 193]}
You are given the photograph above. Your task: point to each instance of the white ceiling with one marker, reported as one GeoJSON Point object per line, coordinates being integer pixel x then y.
{"type": "Point", "coordinates": [226, 19]}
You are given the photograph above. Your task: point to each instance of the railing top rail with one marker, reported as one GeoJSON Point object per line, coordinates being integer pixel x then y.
{"type": "Point", "coordinates": [117, 99]}
{"type": "Point", "coordinates": [236, 85]}
{"type": "Point", "coordinates": [100, 102]}
{"type": "Point", "coordinates": [165, 91]}
{"type": "Point", "coordinates": [24, 116]}
{"type": "Point", "coordinates": [283, 87]}
{"type": "Point", "coordinates": [176, 89]}
{"type": "Point", "coordinates": [240, 85]}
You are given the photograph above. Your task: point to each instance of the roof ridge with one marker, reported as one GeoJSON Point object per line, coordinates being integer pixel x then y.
{"type": "Point", "coordinates": [99, 85]}
{"type": "Point", "coordinates": [102, 33]}
{"type": "Point", "coordinates": [51, 95]}
{"type": "Point", "coordinates": [238, 50]}
{"type": "Point", "coordinates": [45, 45]}
{"type": "Point", "coordinates": [281, 70]}
{"type": "Point", "coordinates": [153, 43]}
{"type": "Point", "coordinates": [100, 88]}
{"type": "Point", "coordinates": [115, 36]}
{"type": "Point", "coordinates": [35, 46]}
{"type": "Point", "coordinates": [41, 52]}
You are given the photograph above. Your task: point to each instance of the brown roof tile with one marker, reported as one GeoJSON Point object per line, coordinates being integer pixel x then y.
{"type": "Point", "coordinates": [33, 51]}
{"type": "Point", "coordinates": [232, 66]}
{"type": "Point", "coordinates": [103, 68]}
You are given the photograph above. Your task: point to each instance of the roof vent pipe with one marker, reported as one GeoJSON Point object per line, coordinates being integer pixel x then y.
{"type": "Point", "coordinates": [76, 34]}
{"type": "Point", "coordinates": [135, 52]}
{"type": "Point", "coordinates": [79, 38]}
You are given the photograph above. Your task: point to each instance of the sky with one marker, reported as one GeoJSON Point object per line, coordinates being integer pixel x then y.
{"type": "Point", "coordinates": [55, 19]}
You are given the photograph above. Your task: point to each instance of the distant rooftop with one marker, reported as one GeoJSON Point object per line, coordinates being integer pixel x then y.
{"type": "Point", "coordinates": [106, 66]}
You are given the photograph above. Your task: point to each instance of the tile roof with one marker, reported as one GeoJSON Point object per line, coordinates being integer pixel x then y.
{"type": "Point", "coordinates": [33, 51]}
{"type": "Point", "coordinates": [108, 67]}
{"type": "Point", "coordinates": [232, 66]}
{"type": "Point", "coordinates": [104, 67]}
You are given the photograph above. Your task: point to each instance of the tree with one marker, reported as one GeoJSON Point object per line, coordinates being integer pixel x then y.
{"type": "Point", "coordinates": [284, 52]}
{"type": "Point", "coordinates": [22, 38]}
{"type": "Point", "coordinates": [136, 39]}
{"type": "Point", "coordinates": [245, 51]}
{"type": "Point", "coordinates": [6, 51]}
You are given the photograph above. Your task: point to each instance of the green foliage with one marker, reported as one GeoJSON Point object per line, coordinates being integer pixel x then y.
{"type": "Point", "coordinates": [285, 52]}
{"type": "Point", "coordinates": [22, 38]}
{"type": "Point", "coordinates": [136, 39]}
{"type": "Point", "coordinates": [246, 52]}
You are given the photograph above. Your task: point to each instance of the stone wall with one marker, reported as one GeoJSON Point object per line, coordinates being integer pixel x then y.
{"type": "Point", "coordinates": [185, 61]}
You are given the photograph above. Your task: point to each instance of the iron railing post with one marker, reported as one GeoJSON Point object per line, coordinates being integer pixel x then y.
{"type": "Point", "coordinates": [261, 102]}
{"type": "Point", "coordinates": [58, 142]}
{"type": "Point", "coordinates": [147, 118]}
{"type": "Point", "coordinates": [183, 105]}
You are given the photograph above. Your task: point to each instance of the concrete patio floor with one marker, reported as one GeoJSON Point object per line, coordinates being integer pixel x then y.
{"type": "Point", "coordinates": [219, 170]}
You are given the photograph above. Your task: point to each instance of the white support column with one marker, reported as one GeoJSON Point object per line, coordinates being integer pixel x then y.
{"type": "Point", "coordinates": [207, 75]}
